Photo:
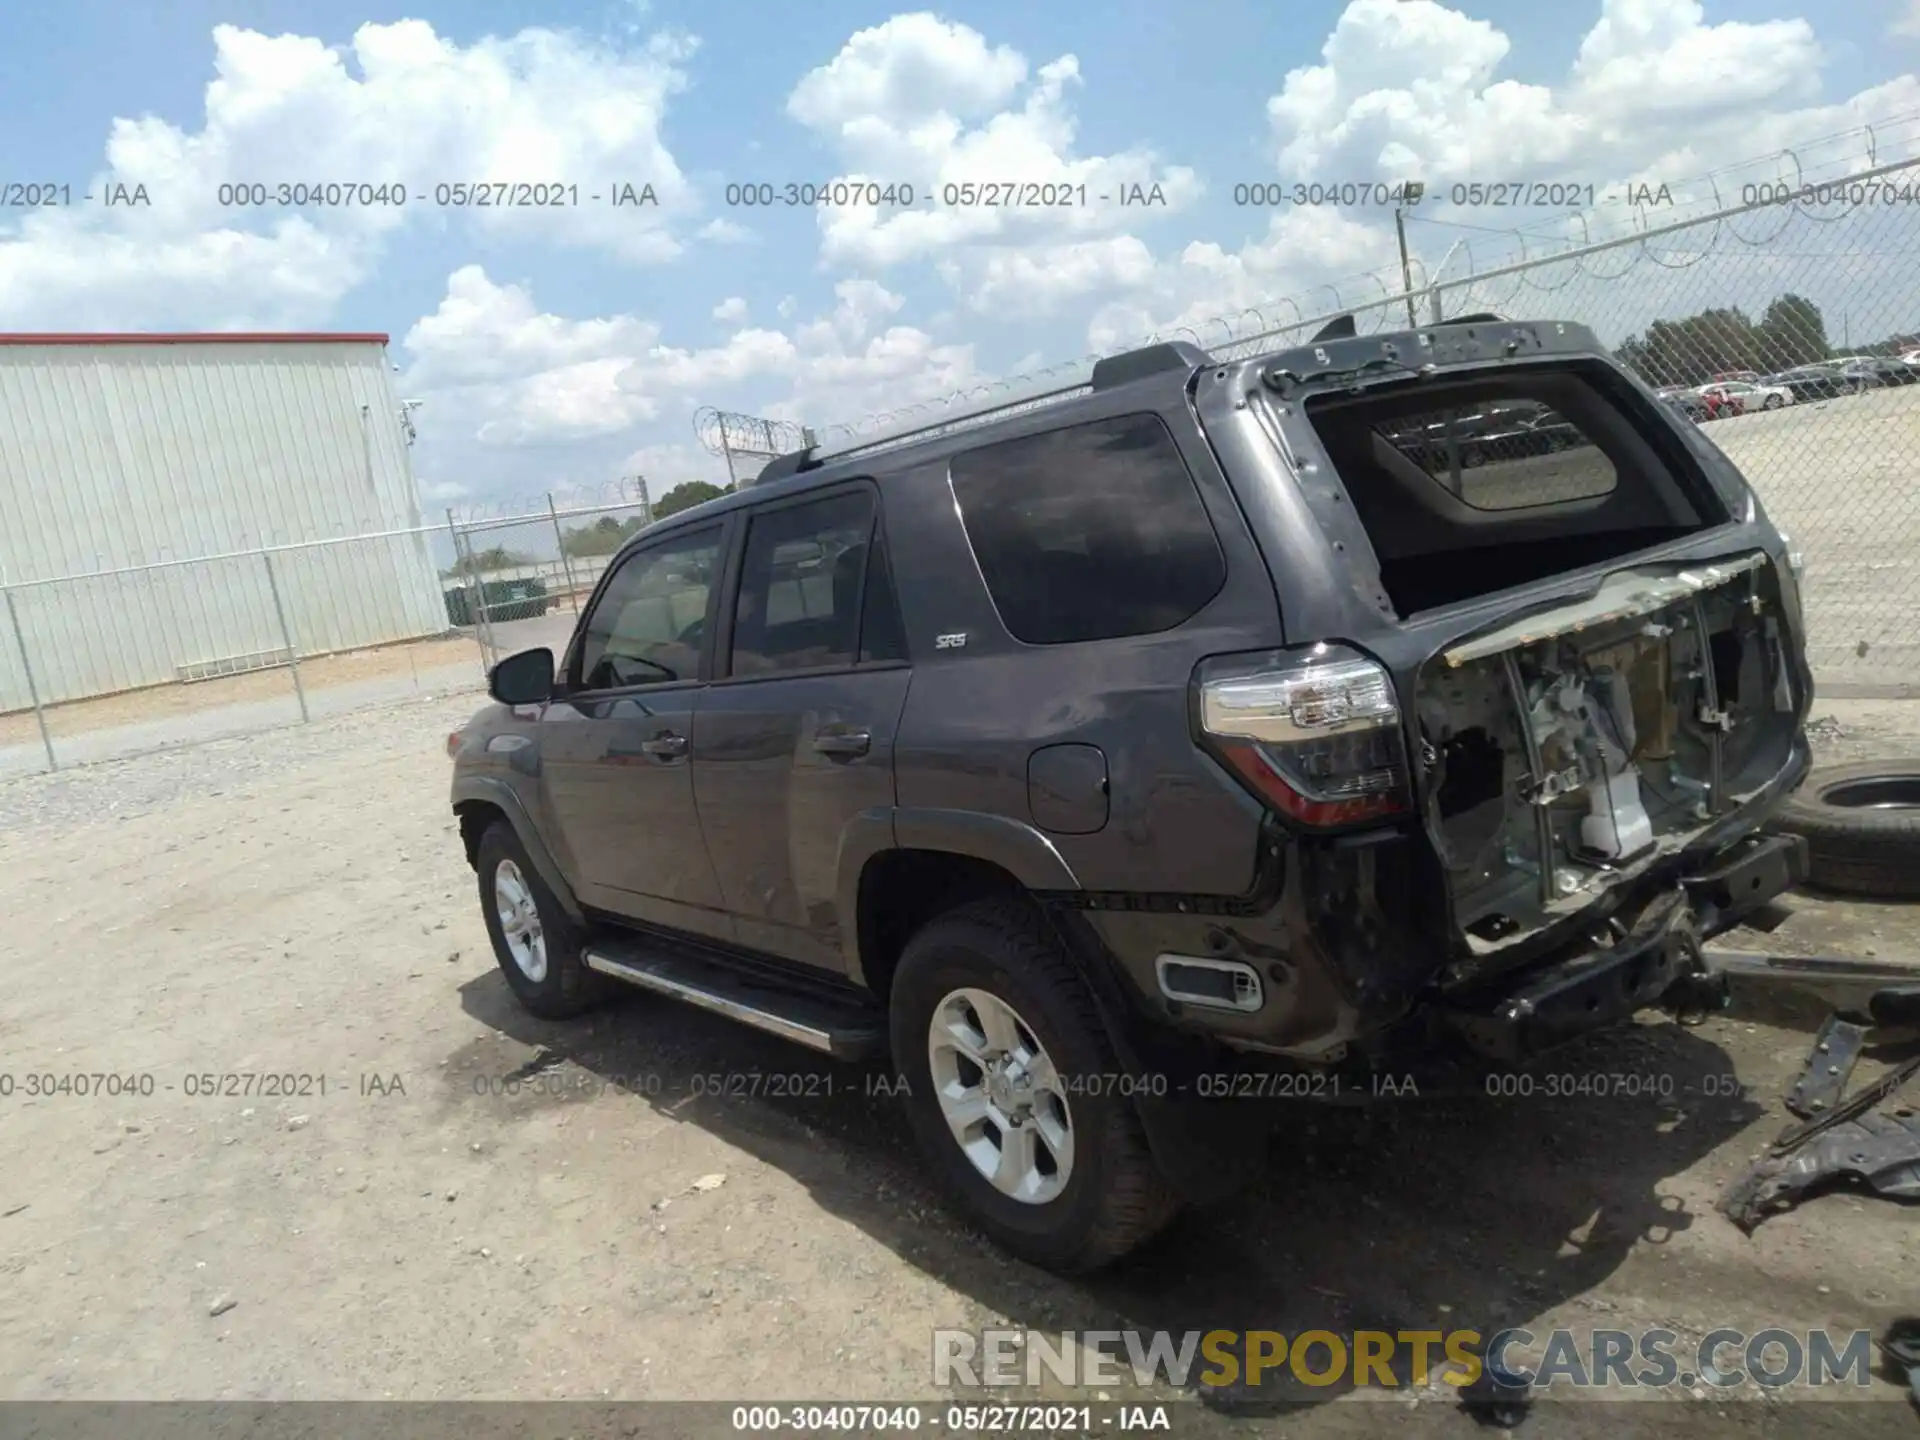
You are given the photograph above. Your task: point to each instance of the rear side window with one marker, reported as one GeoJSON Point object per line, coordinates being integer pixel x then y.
{"type": "Point", "coordinates": [1092, 532]}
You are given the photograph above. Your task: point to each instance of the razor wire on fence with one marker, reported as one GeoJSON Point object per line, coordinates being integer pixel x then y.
{"type": "Point", "coordinates": [751, 440]}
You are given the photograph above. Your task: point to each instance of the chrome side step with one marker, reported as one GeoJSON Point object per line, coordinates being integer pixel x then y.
{"type": "Point", "coordinates": [824, 1023]}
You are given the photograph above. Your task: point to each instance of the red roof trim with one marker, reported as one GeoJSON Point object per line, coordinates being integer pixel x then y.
{"type": "Point", "coordinates": [218, 337]}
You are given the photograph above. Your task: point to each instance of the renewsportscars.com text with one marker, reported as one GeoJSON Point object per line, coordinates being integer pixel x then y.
{"type": "Point", "coordinates": [1389, 1359]}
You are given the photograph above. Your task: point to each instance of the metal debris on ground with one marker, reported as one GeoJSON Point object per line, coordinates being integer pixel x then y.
{"type": "Point", "coordinates": [1826, 727]}
{"type": "Point", "coordinates": [1859, 1138]}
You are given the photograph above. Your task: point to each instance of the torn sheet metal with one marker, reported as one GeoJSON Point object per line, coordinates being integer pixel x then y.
{"type": "Point", "coordinates": [1824, 1078]}
{"type": "Point", "coordinates": [1872, 1138]}
{"type": "Point", "coordinates": [1621, 596]}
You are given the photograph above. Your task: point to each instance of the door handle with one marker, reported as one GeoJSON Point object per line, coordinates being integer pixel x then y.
{"type": "Point", "coordinates": [843, 742]}
{"type": "Point", "coordinates": [668, 746]}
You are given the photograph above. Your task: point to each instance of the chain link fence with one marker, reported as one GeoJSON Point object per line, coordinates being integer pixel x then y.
{"type": "Point", "coordinates": [520, 581]}
{"type": "Point", "coordinates": [121, 661]}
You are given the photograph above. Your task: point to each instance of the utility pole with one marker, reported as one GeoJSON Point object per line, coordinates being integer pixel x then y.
{"type": "Point", "coordinates": [1412, 191]}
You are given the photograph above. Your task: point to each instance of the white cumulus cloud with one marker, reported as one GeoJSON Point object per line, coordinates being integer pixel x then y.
{"type": "Point", "coordinates": [501, 372]}
{"type": "Point", "coordinates": [928, 102]}
{"type": "Point", "coordinates": [400, 106]}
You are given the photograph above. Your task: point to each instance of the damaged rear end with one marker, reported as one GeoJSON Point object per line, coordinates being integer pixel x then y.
{"type": "Point", "coordinates": [1595, 775]}
{"type": "Point", "coordinates": [1593, 641]}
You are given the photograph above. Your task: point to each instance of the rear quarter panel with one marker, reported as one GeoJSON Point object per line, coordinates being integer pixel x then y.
{"type": "Point", "coordinates": [978, 709]}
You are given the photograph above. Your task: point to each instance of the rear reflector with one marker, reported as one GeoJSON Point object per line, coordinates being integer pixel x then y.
{"type": "Point", "coordinates": [1210, 984]}
{"type": "Point", "coordinates": [1314, 732]}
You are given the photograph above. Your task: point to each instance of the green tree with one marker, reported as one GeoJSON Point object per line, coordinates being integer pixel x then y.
{"type": "Point", "coordinates": [1793, 332]}
{"type": "Point", "coordinates": [481, 562]}
{"type": "Point", "coordinates": [685, 496]}
{"type": "Point", "coordinates": [603, 537]}
{"type": "Point", "coordinates": [1693, 350]}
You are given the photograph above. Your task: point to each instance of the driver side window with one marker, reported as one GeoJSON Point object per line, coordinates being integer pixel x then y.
{"type": "Point", "coordinates": [649, 622]}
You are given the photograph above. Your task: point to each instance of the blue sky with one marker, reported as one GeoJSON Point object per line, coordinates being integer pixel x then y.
{"type": "Point", "coordinates": [570, 345]}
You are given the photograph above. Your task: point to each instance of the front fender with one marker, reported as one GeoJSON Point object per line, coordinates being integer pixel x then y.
{"type": "Point", "coordinates": [492, 790]}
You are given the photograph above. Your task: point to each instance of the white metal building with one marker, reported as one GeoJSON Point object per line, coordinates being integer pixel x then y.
{"type": "Point", "coordinates": [122, 454]}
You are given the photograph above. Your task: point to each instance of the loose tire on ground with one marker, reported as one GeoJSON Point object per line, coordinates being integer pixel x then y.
{"type": "Point", "coordinates": [1113, 1197]}
{"type": "Point", "coordinates": [1861, 822]}
{"type": "Point", "coordinates": [567, 987]}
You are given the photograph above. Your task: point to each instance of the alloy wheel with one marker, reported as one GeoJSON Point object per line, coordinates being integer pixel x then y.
{"type": "Point", "coordinates": [1001, 1096]}
{"type": "Point", "coordinates": [519, 917]}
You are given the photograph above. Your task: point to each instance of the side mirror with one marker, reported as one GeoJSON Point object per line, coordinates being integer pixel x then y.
{"type": "Point", "coordinates": [523, 679]}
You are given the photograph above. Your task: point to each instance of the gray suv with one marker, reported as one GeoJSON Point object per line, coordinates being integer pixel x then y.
{"type": "Point", "coordinates": [1120, 758]}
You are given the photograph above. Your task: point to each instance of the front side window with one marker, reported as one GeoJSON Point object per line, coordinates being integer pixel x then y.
{"type": "Point", "coordinates": [649, 622]}
{"type": "Point", "coordinates": [801, 584]}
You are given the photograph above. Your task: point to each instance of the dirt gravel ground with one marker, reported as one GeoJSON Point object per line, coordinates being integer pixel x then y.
{"type": "Point", "coordinates": [407, 660]}
{"type": "Point", "coordinates": [296, 904]}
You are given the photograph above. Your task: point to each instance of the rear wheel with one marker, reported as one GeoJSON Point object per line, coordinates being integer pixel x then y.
{"type": "Point", "coordinates": [537, 946]}
{"type": "Point", "coordinates": [1013, 1093]}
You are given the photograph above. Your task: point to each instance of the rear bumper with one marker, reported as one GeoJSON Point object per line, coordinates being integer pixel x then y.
{"type": "Point", "coordinates": [1207, 1144]}
{"type": "Point", "coordinates": [1573, 995]}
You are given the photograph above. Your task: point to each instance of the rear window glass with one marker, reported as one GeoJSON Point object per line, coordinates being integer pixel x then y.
{"type": "Point", "coordinates": [1504, 455]}
{"type": "Point", "coordinates": [1091, 532]}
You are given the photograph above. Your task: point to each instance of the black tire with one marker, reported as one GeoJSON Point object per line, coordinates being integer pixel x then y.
{"type": "Point", "coordinates": [1853, 849]}
{"type": "Point", "coordinates": [1114, 1198]}
{"type": "Point", "coordinates": [568, 987]}
{"type": "Point", "coordinates": [1772, 402]}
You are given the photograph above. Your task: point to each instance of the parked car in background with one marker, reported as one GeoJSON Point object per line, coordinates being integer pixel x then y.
{"type": "Point", "coordinates": [1715, 402]}
{"type": "Point", "coordinates": [1684, 400]}
{"type": "Point", "coordinates": [1737, 397]}
{"type": "Point", "coordinates": [1880, 370]}
{"type": "Point", "coordinates": [1813, 382]}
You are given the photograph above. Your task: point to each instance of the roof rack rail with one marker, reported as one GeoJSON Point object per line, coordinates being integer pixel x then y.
{"type": "Point", "coordinates": [1062, 383]}
{"type": "Point", "coordinates": [794, 462]}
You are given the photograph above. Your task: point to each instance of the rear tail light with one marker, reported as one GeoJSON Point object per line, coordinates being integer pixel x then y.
{"type": "Point", "coordinates": [1315, 733]}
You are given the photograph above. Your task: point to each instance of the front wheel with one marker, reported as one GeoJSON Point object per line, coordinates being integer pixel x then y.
{"type": "Point", "coordinates": [1013, 1092]}
{"type": "Point", "coordinates": [1773, 402]}
{"type": "Point", "coordinates": [537, 946]}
